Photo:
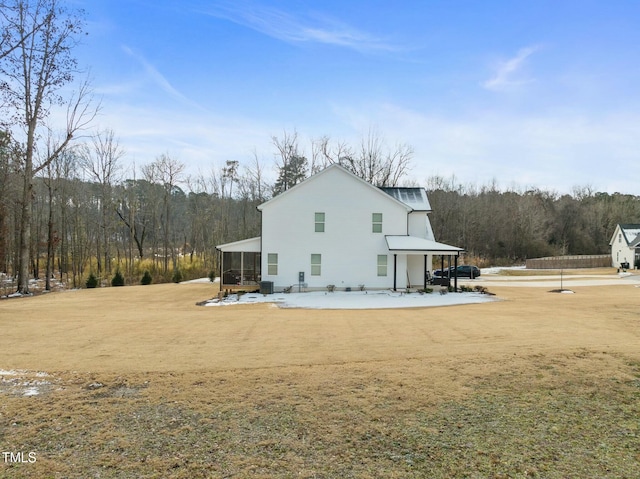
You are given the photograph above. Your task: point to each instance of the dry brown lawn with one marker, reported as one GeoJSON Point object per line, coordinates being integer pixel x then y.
{"type": "Point", "coordinates": [144, 383]}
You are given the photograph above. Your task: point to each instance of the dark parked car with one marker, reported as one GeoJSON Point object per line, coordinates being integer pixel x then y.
{"type": "Point", "coordinates": [463, 271]}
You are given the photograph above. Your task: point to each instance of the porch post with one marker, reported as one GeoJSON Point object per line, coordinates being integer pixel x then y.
{"type": "Point", "coordinates": [221, 257]}
{"type": "Point", "coordinates": [395, 271]}
{"type": "Point", "coordinates": [242, 268]}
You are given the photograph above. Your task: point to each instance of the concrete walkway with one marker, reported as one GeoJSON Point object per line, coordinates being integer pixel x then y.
{"type": "Point", "coordinates": [553, 281]}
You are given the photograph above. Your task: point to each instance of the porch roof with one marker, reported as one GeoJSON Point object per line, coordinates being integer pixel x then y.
{"type": "Point", "coordinates": [415, 245]}
{"type": "Point", "coordinates": [251, 245]}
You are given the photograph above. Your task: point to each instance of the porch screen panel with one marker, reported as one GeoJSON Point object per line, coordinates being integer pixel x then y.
{"type": "Point", "coordinates": [251, 267]}
{"type": "Point", "coordinates": [232, 264]}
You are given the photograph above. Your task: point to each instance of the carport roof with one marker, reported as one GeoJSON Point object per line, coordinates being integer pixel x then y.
{"type": "Point", "coordinates": [413, 244]}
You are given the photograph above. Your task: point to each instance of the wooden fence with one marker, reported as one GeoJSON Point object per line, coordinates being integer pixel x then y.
{"type": "Point", "coordinates": [578, 261]}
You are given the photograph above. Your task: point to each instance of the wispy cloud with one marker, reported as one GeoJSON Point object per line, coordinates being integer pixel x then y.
{"type": "Point", "coordinates": [509, 73]}
{"type": "Point", "coordinates": [302, 28]}
{"type": "Point", "coordinates": [554, 150]}
{"type": "Point", "coordinates": [158, 78]}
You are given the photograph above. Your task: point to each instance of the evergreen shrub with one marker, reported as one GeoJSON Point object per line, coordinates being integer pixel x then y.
{"type": "Point", "coordinates": [118, 279]}
{"type": "Point", "coordinates": [177, 276]}
{"type": "Point", "coordinates": [92, 281]}
{"type": "Point", "coordinates": [146, 278]}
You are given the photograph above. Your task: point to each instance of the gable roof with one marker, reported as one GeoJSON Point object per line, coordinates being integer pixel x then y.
{"type": "Point", "coordinates": [630, 233]}
{"type": "Point", "coordinates": [331, 167]}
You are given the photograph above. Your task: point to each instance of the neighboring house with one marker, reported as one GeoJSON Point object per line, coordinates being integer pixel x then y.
{"type": "Point", "coordinates": [336, 229]}
{"type": "Point", "coordinates": [625, 246]}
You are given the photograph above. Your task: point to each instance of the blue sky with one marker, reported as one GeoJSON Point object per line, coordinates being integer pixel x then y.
{"type": "Point", "coordinates": [527, 93]}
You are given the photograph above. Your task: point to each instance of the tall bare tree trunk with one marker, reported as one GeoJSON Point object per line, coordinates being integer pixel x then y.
{"type": "Point", "coordinates": [38, 64]}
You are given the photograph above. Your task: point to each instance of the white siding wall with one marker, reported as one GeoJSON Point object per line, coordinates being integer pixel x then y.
{"type": "Point", "coordinates": [348, 246]}
{"type": "Point", "coordinates": [420, 226]}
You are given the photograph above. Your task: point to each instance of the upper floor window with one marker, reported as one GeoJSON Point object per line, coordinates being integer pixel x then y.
{"type": "Point", "coordinates": [619, 237]}
{"type": "Point", "coordinates": [319, 217]}
{"type": "Point", "coordinates": [376, 219]}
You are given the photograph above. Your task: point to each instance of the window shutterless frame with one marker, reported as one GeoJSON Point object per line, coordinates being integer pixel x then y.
{"type": "Point", "coordinates": [382, 265]}
{"type": "Point", "coordinates": [319, 222]}
{"type": "Point", "coordinates": [272, 264]}
{"type": "Point", "coordinates": [376, 222]}
{"type": "Point", "coordinates": [316, 264]}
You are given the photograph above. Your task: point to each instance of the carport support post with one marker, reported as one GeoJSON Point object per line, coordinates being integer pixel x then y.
{"type": "Point", "coordinates": [425, 273]}
{"type": "Point", "coordinates": [455, 275]}
{"type": "Point", "coordinates": [395, 271]}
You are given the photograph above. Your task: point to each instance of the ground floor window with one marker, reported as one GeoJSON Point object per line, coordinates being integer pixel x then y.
{"type": "Point", "coordinates": [316, 264]}
{"type": "Point", "coordinates": [272, 264]}
{"type": "Point", "coordinates": [382, 265]}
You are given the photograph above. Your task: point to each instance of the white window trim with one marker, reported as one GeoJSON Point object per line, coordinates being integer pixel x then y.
{"type": "Point", "coordinates": [381, 265]}
{"type": "Point", "coordinates": [375, 223]}
{"type": "Point", "coordinates": [271, 264]}
{"type": "Point", "coordinates": [317, 222]}
{"type": "Point", "coordinates": [316, 268]}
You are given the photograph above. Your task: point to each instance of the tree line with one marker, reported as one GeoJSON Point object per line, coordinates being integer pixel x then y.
{"type": "Point", "coordinates": [92, 215]}
{"type": "Point", "coordinates": [508, 226]}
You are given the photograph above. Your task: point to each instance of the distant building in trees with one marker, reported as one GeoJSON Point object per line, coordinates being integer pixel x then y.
{"type": "Point", "coordinates": [625, 246]}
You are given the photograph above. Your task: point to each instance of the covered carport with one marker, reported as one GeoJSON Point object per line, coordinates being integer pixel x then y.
{"type": "Point", "coordinates": [414, 249]}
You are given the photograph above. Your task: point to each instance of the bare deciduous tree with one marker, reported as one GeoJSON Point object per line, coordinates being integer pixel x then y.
{"type": "Point", "coordinates": [33, 75]}
{"type": "Point", "coordinates": [291, 162]}
{"type": "Point", "coordinates": [169, 173]}
{"type": "Point", "coordinates": [377, 164]}
{"type": "Point", "coordinates": [101, 162]}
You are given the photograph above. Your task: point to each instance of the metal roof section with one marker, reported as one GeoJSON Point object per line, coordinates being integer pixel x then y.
{"type": "Point", "coordinates": [414, 244]}
{"type": "Point", "coordinates": [631, 234]}
{"type": "Point", "coordinates": [414, 197]}
{"type": "Point", "coordinates": [251, 245]}
{"type": "Point", "coordinates": [635, 243]}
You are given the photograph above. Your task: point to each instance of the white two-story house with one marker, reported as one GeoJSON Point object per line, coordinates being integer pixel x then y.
{"type": "Point", "coordinates": [336, 229]}
{"type": "Point", "coordinates": [625, 246]}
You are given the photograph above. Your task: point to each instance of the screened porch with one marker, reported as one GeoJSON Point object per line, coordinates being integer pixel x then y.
{"type": "Point", "coordinates": [240, 264]}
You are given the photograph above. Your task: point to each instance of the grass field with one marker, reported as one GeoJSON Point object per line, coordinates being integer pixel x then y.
{"type": "Point", "coordinates": [140, 382]}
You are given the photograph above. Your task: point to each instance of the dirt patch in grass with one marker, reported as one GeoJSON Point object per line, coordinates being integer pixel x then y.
{"type": "Point", "coordinates": [143, 383]}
